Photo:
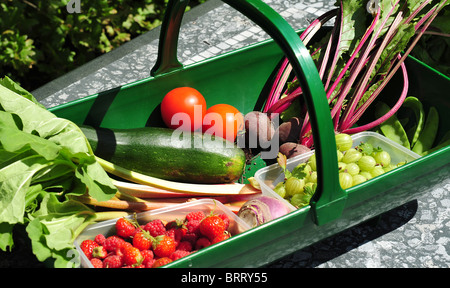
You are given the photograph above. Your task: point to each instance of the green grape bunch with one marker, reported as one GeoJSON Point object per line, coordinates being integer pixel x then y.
{"type": "Point", "coordinates": [356, 164]}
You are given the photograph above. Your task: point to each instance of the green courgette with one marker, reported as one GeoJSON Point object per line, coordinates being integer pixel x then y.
{"type": "Point", "coordinates": [166, 154]}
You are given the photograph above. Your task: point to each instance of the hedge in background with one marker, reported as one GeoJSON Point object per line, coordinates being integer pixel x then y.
{"type": "Point", "coordinates": [41, 40]}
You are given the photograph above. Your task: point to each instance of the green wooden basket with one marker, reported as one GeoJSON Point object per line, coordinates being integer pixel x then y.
{"type": "Point", "coordinates": [238, 78]}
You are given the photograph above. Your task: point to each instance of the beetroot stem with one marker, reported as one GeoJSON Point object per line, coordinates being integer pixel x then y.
{"type": "Point", "coordinates": [286, 67]}
{"type": "Point", "coordinates": [400, 62]}
{"type": "Point", "coordinates": [362, 88]}
{"type": "Point", "coordinates": [390, 113]}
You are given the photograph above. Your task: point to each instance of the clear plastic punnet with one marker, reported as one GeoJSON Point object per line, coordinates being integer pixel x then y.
{"type": "Point", "coordinates": [268, 177]}
{"type": "Point", "coordinates": [178, 211]}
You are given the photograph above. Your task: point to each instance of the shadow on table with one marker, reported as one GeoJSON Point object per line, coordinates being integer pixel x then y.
{"type": "Point", "coordinates": [343, 242]}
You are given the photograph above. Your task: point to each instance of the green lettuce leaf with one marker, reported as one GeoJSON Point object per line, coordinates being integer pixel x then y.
{"type": "Point", "coordinates": [55, 226]}
{"type": "Point", "coordinates": [43, 160]}
{"type": "Point", "coordinates": [13, 86]}
{"type": "Point", "coordinates": [6, 240]}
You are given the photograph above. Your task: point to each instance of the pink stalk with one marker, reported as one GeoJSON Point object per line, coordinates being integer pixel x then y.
{"type": "Point", "coordinates": [280, 79]}
{"type": "Point", "coordinates": [437, 33]}
{"type": "Point", "coordinates": [346, 124]}
{"type": "Point", "coordinates": [284, 103]}
{"type": "Point", "coordinates": [277, 104]}
{"type": "Point", "coordinates": [394, 109]}
{"type": "Point", "coordinates": [331, 41]}
{"type": "Point", "coordinates": [360, 65]}
{"type": "Point", "coordinates": [315, 26]}
{"type": "Point", "coordinates": [362, 109]}
{"type": "Point", "coordinates": [306, 125]}
{"type": "Point", "coordinates": [336, 53]}
{"type": "Point", "coordinates": [281, 104]}
{"type": "Point", "coordinates": [350, 61]}
{"type": "Point", "coordinates": [323, 66]}
{"type": "Point", "coordinates": [286, 67]}
{"type": "Point", "coordinates": [425, 18]}
{"type": "Point", "coordinates": [355, 70]}
{"type": "Point", "coordinates": [414, 14]}
{"type": "Point", "coordinates": [361, 89]}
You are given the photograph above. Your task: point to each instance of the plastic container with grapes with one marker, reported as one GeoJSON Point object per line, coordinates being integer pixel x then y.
{"type": "Point", "coordinates": [268, 177]}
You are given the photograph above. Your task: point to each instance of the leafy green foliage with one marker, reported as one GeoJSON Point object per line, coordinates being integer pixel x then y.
{"type": "Point", "coordinates": [434, 49]}
{"type": "Point", "coordinates": [44, 160]}
{"type": "Point", "coordinates": [41, 40]}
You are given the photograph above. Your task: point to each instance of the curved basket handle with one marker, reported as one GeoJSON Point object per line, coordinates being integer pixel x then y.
{"type": "Point", "coordinates": [168, 41]}
{"type": "Point", "coordinates": [329, 200]}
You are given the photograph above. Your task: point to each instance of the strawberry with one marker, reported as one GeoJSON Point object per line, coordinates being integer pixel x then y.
{"type": "Point", "coordinates": [225, 219]}
{"type": "Point", "coordinates": [99, 252]}
{"type": "Point", "coordinates": [142, 240]}
{"type": "Point", "coordinates": [212, 226]}
{"type": "Point", "coordinates": [163, 246]}
{"type": "Point", "coordinates": [113, 261]}
{"type": "Point", "coordinates": [176, 229]}
{"type": "Point", "coordinates": [121, 250]}
{"type": "Point", "coordinates": [97, 263]}
{"type": "Point", "coordinates": [161, 262]}
{"type": "Point", "coordinates": [132, 256]}
{"type": "Point", "coordinates": [87, 246]}
{"type": "Point", "coordinates": [176, 234]}
{"type": "Point", "coordinates": [221, 237]}
{"type": "Point", "coordinates": [125, 228]}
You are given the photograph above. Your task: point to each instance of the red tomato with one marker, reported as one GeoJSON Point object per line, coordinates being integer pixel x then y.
{"type": "Point", "coordinates": [183, 108]}
{"type": "Point", "coordinates": [223, 120]}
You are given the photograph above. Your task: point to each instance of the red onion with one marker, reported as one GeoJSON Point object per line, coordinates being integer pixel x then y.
{"type": "Point", "coordinates": [261, 210]}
